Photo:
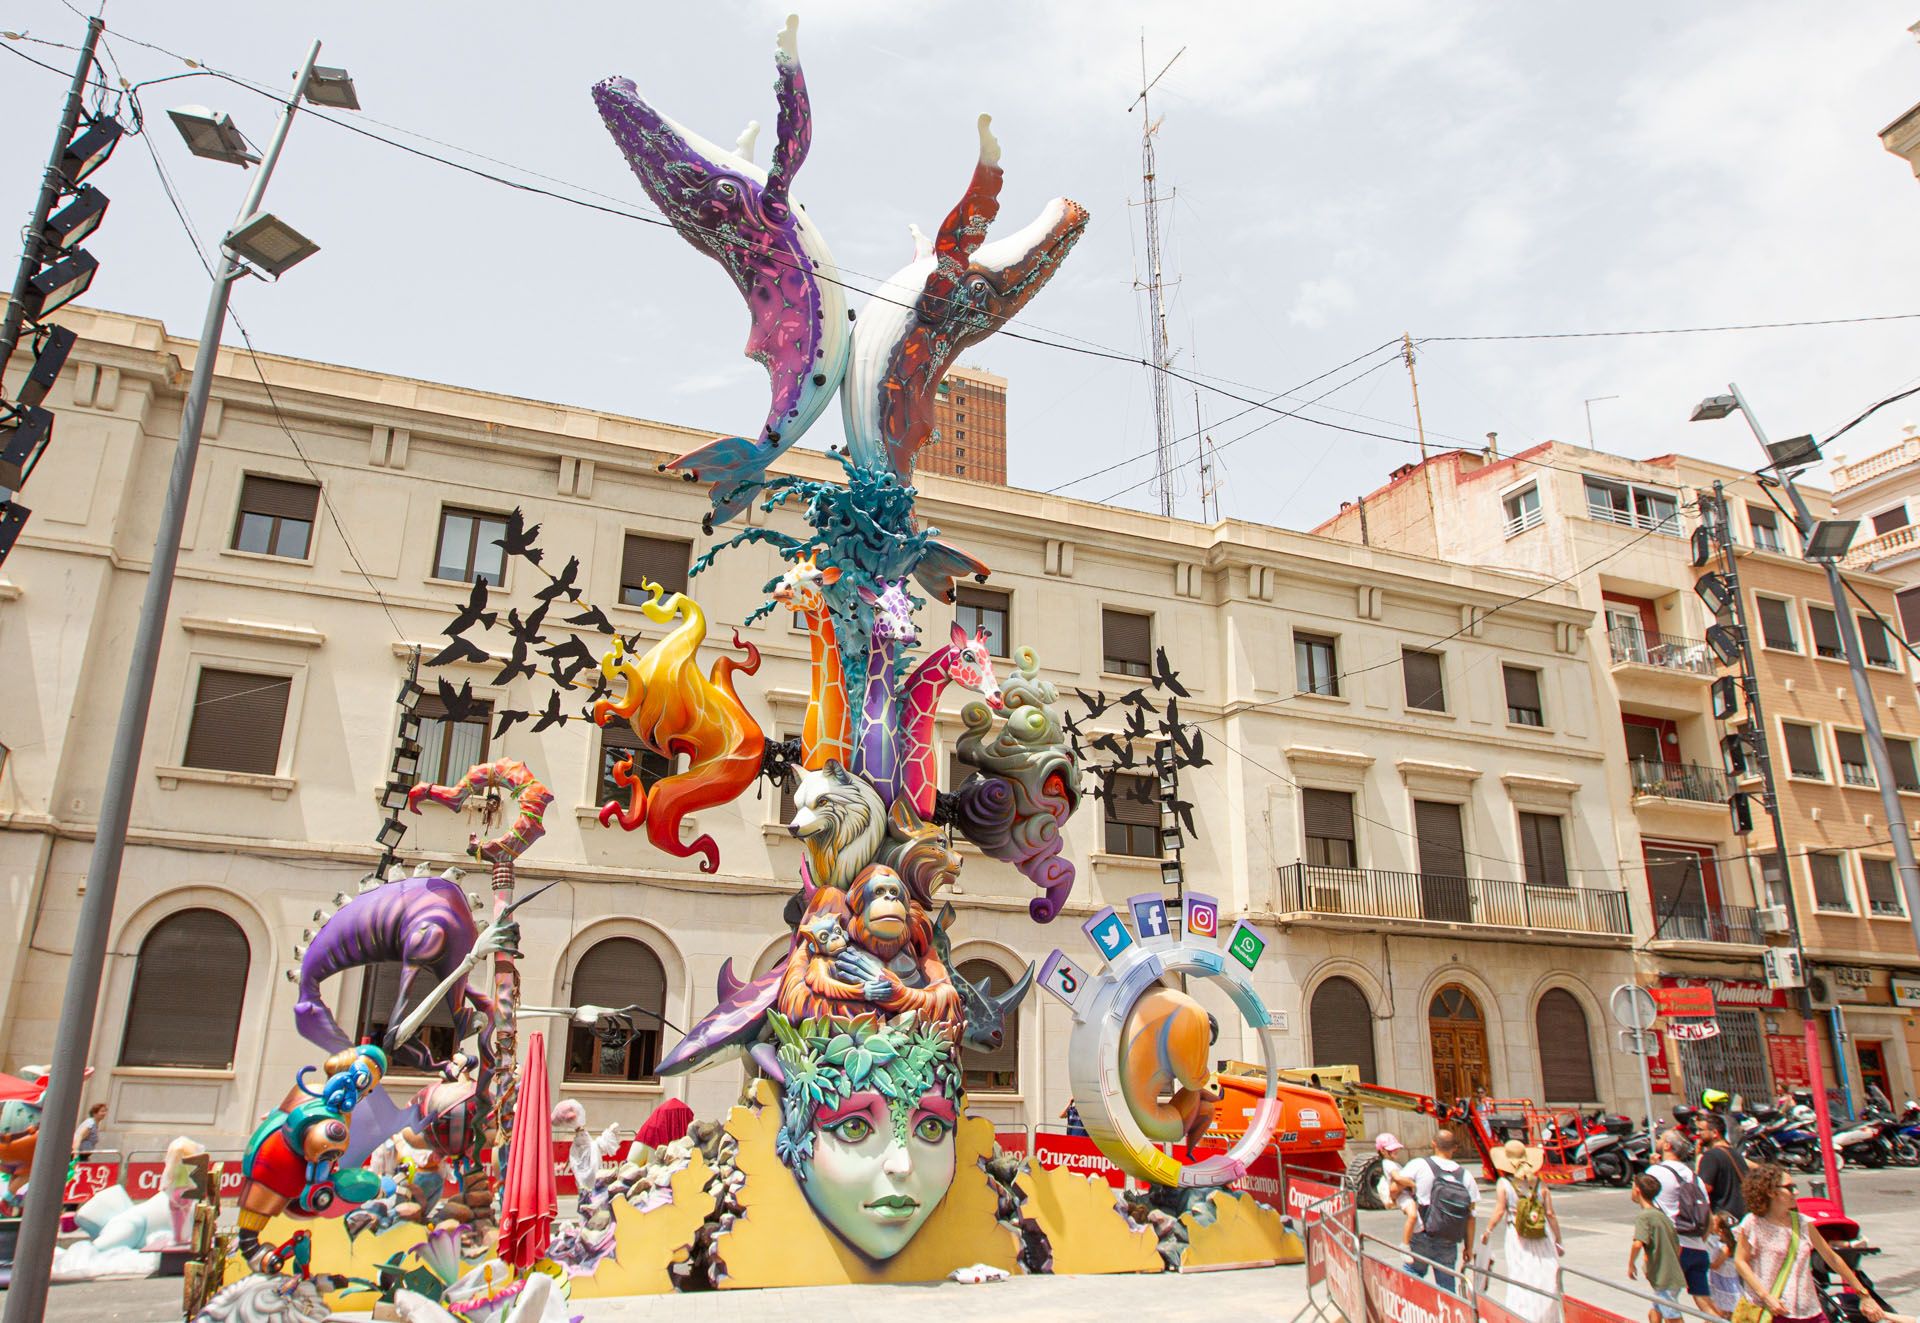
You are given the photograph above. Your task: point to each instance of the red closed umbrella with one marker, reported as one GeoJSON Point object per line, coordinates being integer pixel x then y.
{"type": "Point", "coordinates": [527, 1204]}
{"type": "Point", "coordinates": [668, 1122]}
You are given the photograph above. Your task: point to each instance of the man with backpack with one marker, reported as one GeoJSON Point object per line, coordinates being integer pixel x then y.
{"type": "Point", "coordinates": [1447, 1199]}
{"type": "Point", "coordinates": [1683, 1198]}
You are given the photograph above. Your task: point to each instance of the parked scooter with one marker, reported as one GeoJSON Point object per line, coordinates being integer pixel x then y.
{"type": "Point", "coordinates": [1866, 1143]}
{"type": "Point", "coordinates": [1905, 1140]}
{"type": "Point", "coordinates": [1605, 1150]}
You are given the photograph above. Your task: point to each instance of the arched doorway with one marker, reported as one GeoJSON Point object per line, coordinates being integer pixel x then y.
{"type": "Point", "coordinates": [1341, 1024]}
{"type": "Point", "coordinates": [1566, 1052]}
{"type": "Point", "coordinates": [1458, 1033]}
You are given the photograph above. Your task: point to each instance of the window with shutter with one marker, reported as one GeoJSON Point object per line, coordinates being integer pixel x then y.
{"type": "Point", "coordinates": [1543, 849]}
{"type": "Point", "coordinates": [618, 744]}
{"type": "Point", "coordinates": [1424, 686]}
{"type": "Point", "coordinates": [1341, 1025]}
{"type": "Point", "coordinates": [276, 517]}
{"type": "Point", "coordinates": [238, 718]}
{"type": "Point", "coordinates": [1314, 665]}
{"type": "Point", "coordinates": [1908, 600]}
{"type": "Point", "coordinates": [620, 971]}
{"type": "Point", "coordinates": [1906, 775]}
{"type": "Point", "coordinates": [982, 609]}
{"type": "Point", "coordinates": [449, 748]}
{"type": "Point", "coordinates": [997, 1071]}
{"type": "Point", "coordinates": [1133, 817]}
{"type": "Point", "coordinates": [659, 560]}
{"type": "Point", "coordinates": [1803, 750]}
{"type": "Point", "coordinates": [469, 547]}
{"type": "Point", "coordinates": [1328, 821]}
{"type": "Point", "coordinates": [1855, 770]}
{"type": "Point", "coordinates": [1443, 846]}
{"type": "Point", "coordinates": [1888, 520]}
{"type": "Point", "coordinates": [1883, 892]}
{"type": "Point", "coordinates": [1874, 643]}
{"type": "Point", "coordinates": [380, 989]}
{"type": "Point", "coordinates": [1765, 524]}
{"type": "Point", "coordinates": [1776, 624]}
{"type": "Point", "coordinates": [1826, 631]}
{"type": "Point", "coordinates": [1566, 1050]}
{"type": "Point", "coordinates": [189, 988]}
{"type": "Point", "coordinates": [1523, 696]}
{"type": "Point", "coordinates": [1127, 642]}
{"type": "Point", "coordinates": [1829, 882]}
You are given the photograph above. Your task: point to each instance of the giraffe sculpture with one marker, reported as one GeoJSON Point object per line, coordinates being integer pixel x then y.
{"type": "Point", "coordinates": [825, 733]}
{"type": "Point", "coordinates": [967, 662]}
{"type": "Point", "coordinates": [876, 754]}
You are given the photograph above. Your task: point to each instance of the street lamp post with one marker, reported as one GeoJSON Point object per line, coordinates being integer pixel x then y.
{"type": "Point", "coordinates": [40, 1221]}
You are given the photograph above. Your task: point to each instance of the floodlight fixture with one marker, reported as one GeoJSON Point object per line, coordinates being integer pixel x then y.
{"type": "Point", "coordinates": [265, 241]}
{"type": "Point", "coordinates": [1727, 642]}
{"type": "Point", "coordinates": [13, 518]}
{"type": "Point", "coordinates": [1830, 539]}
{"type": "Point", "coordinates": [50, 349]}
{"type": "Point", "coordinates": [391, 833]}
{"type": "Point", "coordinates": [1170, 873]}
{"type": "Point", "coordinates": [411, 692]}
{"type": "Point", "coordinates": [1704, 546]}
{"type": "Point", "coordinates": [1733, 753]}
{"type": "Point", "coordinates": [332, 88]}
{"type": "Point", "coordinates": [23, 439]}
{"type": "Point", "coordinates": [1740, 813]}
{"type": "Point", "coordinates": [60, 284]}
{"type": "Point", "coordinates": [212, 135]}
{"type": "Point", "coordinates": [1796, 452]}
{"type": "Point", "coordinates": [406, 761]}
{"type": "Point", "coordinates": [1715, 591]}
{"type": "Point", "coordinates": [394, 797]}
{"type": "Point", "coordinates": [1170, 838]}
{"type": "Point", "coordinates": [69, 227]}
{"type": "Point", "coordinates": [90, 150]}
{"type": "Point", "coordinates": [1726, 698]}
{"type": "Point", "coordinates": [1714, 407]}
{"type": "Point", "coordinates": [410, 727]}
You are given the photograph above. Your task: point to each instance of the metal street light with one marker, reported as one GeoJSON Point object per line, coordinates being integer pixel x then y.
{"type": "Point", "coordinates": [69, 227]}
{"type": "Point", "coordinates": [1796, 452]}
{"type": "Point", "coordinates": [266, 241]}
{"type": "Point", "coordinates": [40, 1223]}
{"type": "Point", "coordinates": [60, 284]}
{"type": "Point", "coordinates": [50, 349]}
{"type": "Point", "coordinates": [90, 150]}
{"type": "Point", "coordinates": [332, 88]}
{"type": "Point", "coordinates": [212, 135]}
{"type": "Point", "coordinates": [1713, 408]}
{"type": "Point", "coordinates": [1830, 539]}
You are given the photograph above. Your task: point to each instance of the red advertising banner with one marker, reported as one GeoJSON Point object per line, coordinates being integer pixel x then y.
{"type": "Point", "coordinates": [1738, 993]}
{"type": "Point", "coordinates": [143, 1178]}
{"type": "Point", "coordinates": [1300, 1193]}
{"type": "Point", "coordinates": [1659, 1073]}
{"type": "Point", "coordinates": [1396, 1296]}
{"type": "Point", "coordinates": [1579, 1311]}
{"type": "Point", "coordinates": [88, 1179]}
{"type": "Point", "coordinates": [1076, 1153]}
{"type": "Point", "coordinates": [1489, 1310]}
{"type": "Point", "coordinates": [1690, 1002]}
{"type": "Point", "coordinates": [1262, 1180]}
{"type": "Point", "coordinates": [1787, 1054]}
{"type": "Point", "coordinates": [1340, 1218]}
{"type": "Point", "coordinates": [1340, 1265]}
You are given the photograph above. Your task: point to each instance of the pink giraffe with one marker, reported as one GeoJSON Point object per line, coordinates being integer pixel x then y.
{"type": "Point", "coordinates": [825, 733]}
{"type": "Point", "coordinates": [967, 662]}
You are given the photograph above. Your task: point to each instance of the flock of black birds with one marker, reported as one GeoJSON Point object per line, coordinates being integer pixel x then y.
{"type": "Point", "coordinates": [1168, 741]}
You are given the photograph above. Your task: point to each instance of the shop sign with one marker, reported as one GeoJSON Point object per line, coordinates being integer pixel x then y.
{"type": "Point", "coordinates": [1692, 1002]}
{"type": "Point", "coordinates": [1742, 993]}
{"type": "Point", "coordinates": [1906, 991]}
{"type": "Point", "coordinates": [1850, 983]}
{"type": "Point", "coordinates": [1787, 1055]}
{"type": "Point", "coordinates": [1693, 1031]}
{"type": "Point", "coordinates": [1659, 1074]}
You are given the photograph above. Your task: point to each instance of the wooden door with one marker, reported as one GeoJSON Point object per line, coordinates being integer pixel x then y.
{"type": "Point", "coordinates": [1458, 1034]}
{"type": "Point", "coordinates": [1873, 1066]}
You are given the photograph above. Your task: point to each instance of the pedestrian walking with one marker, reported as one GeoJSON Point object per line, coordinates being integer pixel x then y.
{"type": "Point", "coordinates": [1530, 1253]}
{"type": "Point", "coordinates": [1447, 1199]}
{"type": "Point", "coordinates": [87, 1138]}
{"type": "Point", "coordinates": [1399, 1186]}
{"type": "Point", "coordinates": [1720, 1169]}
{"type": "Point", "coordinates": [1723, 1278]}
{"type": "Point", "coordinates": [1774, 1249]}
{"type": "Point", "coordinates": [1655, 1240]}
{"type": "Point", "coordinates": [1683, 1198]}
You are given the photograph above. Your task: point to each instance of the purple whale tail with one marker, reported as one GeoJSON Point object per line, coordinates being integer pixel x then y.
{"type": "Point", "coordinates": [313, 1018]}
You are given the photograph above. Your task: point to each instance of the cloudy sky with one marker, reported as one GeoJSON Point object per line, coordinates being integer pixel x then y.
{"type": "Point", "coordinates": [1343, 174]}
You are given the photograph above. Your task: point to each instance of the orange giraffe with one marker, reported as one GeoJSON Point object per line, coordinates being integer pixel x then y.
{"type": "Point", "coordinates": [825, 733]}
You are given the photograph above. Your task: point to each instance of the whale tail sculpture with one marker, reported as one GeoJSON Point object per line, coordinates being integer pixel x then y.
{"type": "Point", "coordinates": [745, 219]}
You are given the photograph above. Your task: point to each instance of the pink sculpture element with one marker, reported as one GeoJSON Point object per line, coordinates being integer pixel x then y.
{"type": "Point", "coordinates": [505, 774]}
{"type": "Point", "coordinates": [967, 662]}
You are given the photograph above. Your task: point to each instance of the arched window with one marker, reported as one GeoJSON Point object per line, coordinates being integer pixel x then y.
{"type": "Point", "coordinates": [1566, 1051]}
{"type": "Point", "coordinates": [1341, 1025]}
{"type": "Point", "coordinates": [189, 987]}
{"type": "Point", "coordinates": [997, 1071]}
{"type": "Point", "coordinates": [619, 972]}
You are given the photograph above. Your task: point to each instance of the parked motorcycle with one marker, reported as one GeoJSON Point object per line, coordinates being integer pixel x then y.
{"type": "Point", "coordinates": [1866, 1143]}
{"type": "Point", "coordinates": [1605, 1150]}
{"type": "Point", "coordinates": [1905, 1140]}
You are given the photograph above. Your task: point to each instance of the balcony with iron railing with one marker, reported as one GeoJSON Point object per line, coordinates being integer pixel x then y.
{"type": "Point", "coordinates": [1684, 781]}
{"type": "Point", "coordinates": [1431, 898]}
{"type": "Point", "coordinates": [1693, 921]}
{"type": "Point", "coordinates": [1630, 646]}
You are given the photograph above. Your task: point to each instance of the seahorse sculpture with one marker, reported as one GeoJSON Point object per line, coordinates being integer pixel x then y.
{"type": "Point", "coordinates": [825, 733]}
{"type": "Point", "coordinates": [967, 662]}
{"type": "Point", "coordinates": [877, 745]}
{"type": "Point", "coordinates": [745, 219]}
{"type": "Point", "coordinates": [1031, 785]}
{"type": "Point", "coordinates": [674, 709]}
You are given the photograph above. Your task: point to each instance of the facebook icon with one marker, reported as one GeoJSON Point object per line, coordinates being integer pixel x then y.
{"type": "Point", "coordinates": [1149, 916]}
{"type": "Point", "coordinates": [1108, 932]}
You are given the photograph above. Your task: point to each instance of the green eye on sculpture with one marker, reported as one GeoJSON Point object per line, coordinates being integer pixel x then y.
{"type": "Point", "coordinates": [931, 1130]}
{"type": "Point", "coordinates": [853, 1130]}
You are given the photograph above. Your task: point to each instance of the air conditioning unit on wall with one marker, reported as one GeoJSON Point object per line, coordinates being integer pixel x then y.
{"type": "Point", "coordinates": [1771, 919]}
{"type": "Point", "coordinates": [1820, 992]}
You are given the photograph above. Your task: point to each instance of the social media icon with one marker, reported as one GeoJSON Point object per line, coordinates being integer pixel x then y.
{"type": "Point", "coordinates": [1203, 915]}
{"type": "Point", "coordinates": [1109, 932]}
{"type": "Point", "coordinates": [1063, 978]}
{"type": "Point", "coordinates": [1246, 945]}
{"type": "Point", "coordinates": [1149, 915]}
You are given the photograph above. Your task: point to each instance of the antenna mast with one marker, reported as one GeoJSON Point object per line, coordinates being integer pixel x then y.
{"type": "Point", "coordinates": [1164, 465]}
{"type": "Point", "coordinates": [1209, 471]}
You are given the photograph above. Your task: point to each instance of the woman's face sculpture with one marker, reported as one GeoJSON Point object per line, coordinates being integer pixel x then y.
{"type": "Point", "coordinates": [880, 1169]}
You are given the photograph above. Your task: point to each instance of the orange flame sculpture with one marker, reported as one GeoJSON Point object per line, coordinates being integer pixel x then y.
{"type": "Point", "coordinates": [674, 709]}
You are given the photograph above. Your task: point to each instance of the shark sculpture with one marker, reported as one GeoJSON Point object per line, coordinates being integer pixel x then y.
{"type": "Point", "coordinates": [746, 219]}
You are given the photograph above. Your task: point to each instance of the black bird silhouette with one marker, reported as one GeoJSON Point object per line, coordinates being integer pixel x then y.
{"type": "Point", "coordinates": [1183, 809]}
{"type": "Point", "coordinates": [1138, 700]}
{"type": "Point", "coordinates": [576, 656]}
{"type": "Point", "coordinates": [552, 716]}
{"type": "Point", "coordinates": [1189, 749]}
{"type": "Point", "coordinates": [592, 618]}
{"type": "Point", "coordinates": [457, 702]}
{"type": "Point", "coordinates": [562, 583]}
{"type": "Point", "coordinates": [518, 663]}
{"type": "Point", "coordinates": [473, 613]}
{"type": "Point", "coordinates": [509, 718]}
{"type": "Point", "coordinates": [1096, 705]}
{"type": "Point", "coordinates": [519, 539]}
{"type": "Point", "coordinates": [1165, 677]}
{"type": "Point", "coordinates": [1136, 724]}
{"type": "Point", "coordinates": [460, 650]}
{"type": "Point", "coordinates": [1110, 745]}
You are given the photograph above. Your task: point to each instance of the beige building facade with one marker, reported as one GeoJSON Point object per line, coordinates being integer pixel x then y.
{"type": "Point", "coordinates": [1881, 489]}
{"type": "Point", "coordinates": [1440, 879]}
{"type": "Point", "coordinates": [1706, 902]}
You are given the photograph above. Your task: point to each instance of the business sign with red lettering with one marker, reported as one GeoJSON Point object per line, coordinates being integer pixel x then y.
{"type": "Point", "coordinates": [1301, 1193]}
{"type": "Point", "coordinates": [1659, 1073]}
{"type": "Point", "coordinates": [88, 1179]}
{"type": "Point", "coordinates": [1340, 1219]}
{"type": "Point", "coordinates": [1741, 993]}
{"type": "Point", "coordinates": [1691, 1002]}
{"type": "Point", "coordinates": [1397, 1296]}
{"type": "Point", "coordinates": [1076, 1153]}
{"type": "Point", "coordinates": [1693, 1031]}
{"type": "Point", "coordinates": [1339, 1252]}
{"type": "Point", "coordinates": [143, 1178]}
{"type": "Point", "coordinates": [1788, 1057]}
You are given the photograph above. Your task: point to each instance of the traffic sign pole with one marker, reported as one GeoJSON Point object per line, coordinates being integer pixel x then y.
{"type": "Point", "coordinates": [1636, 1012]}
